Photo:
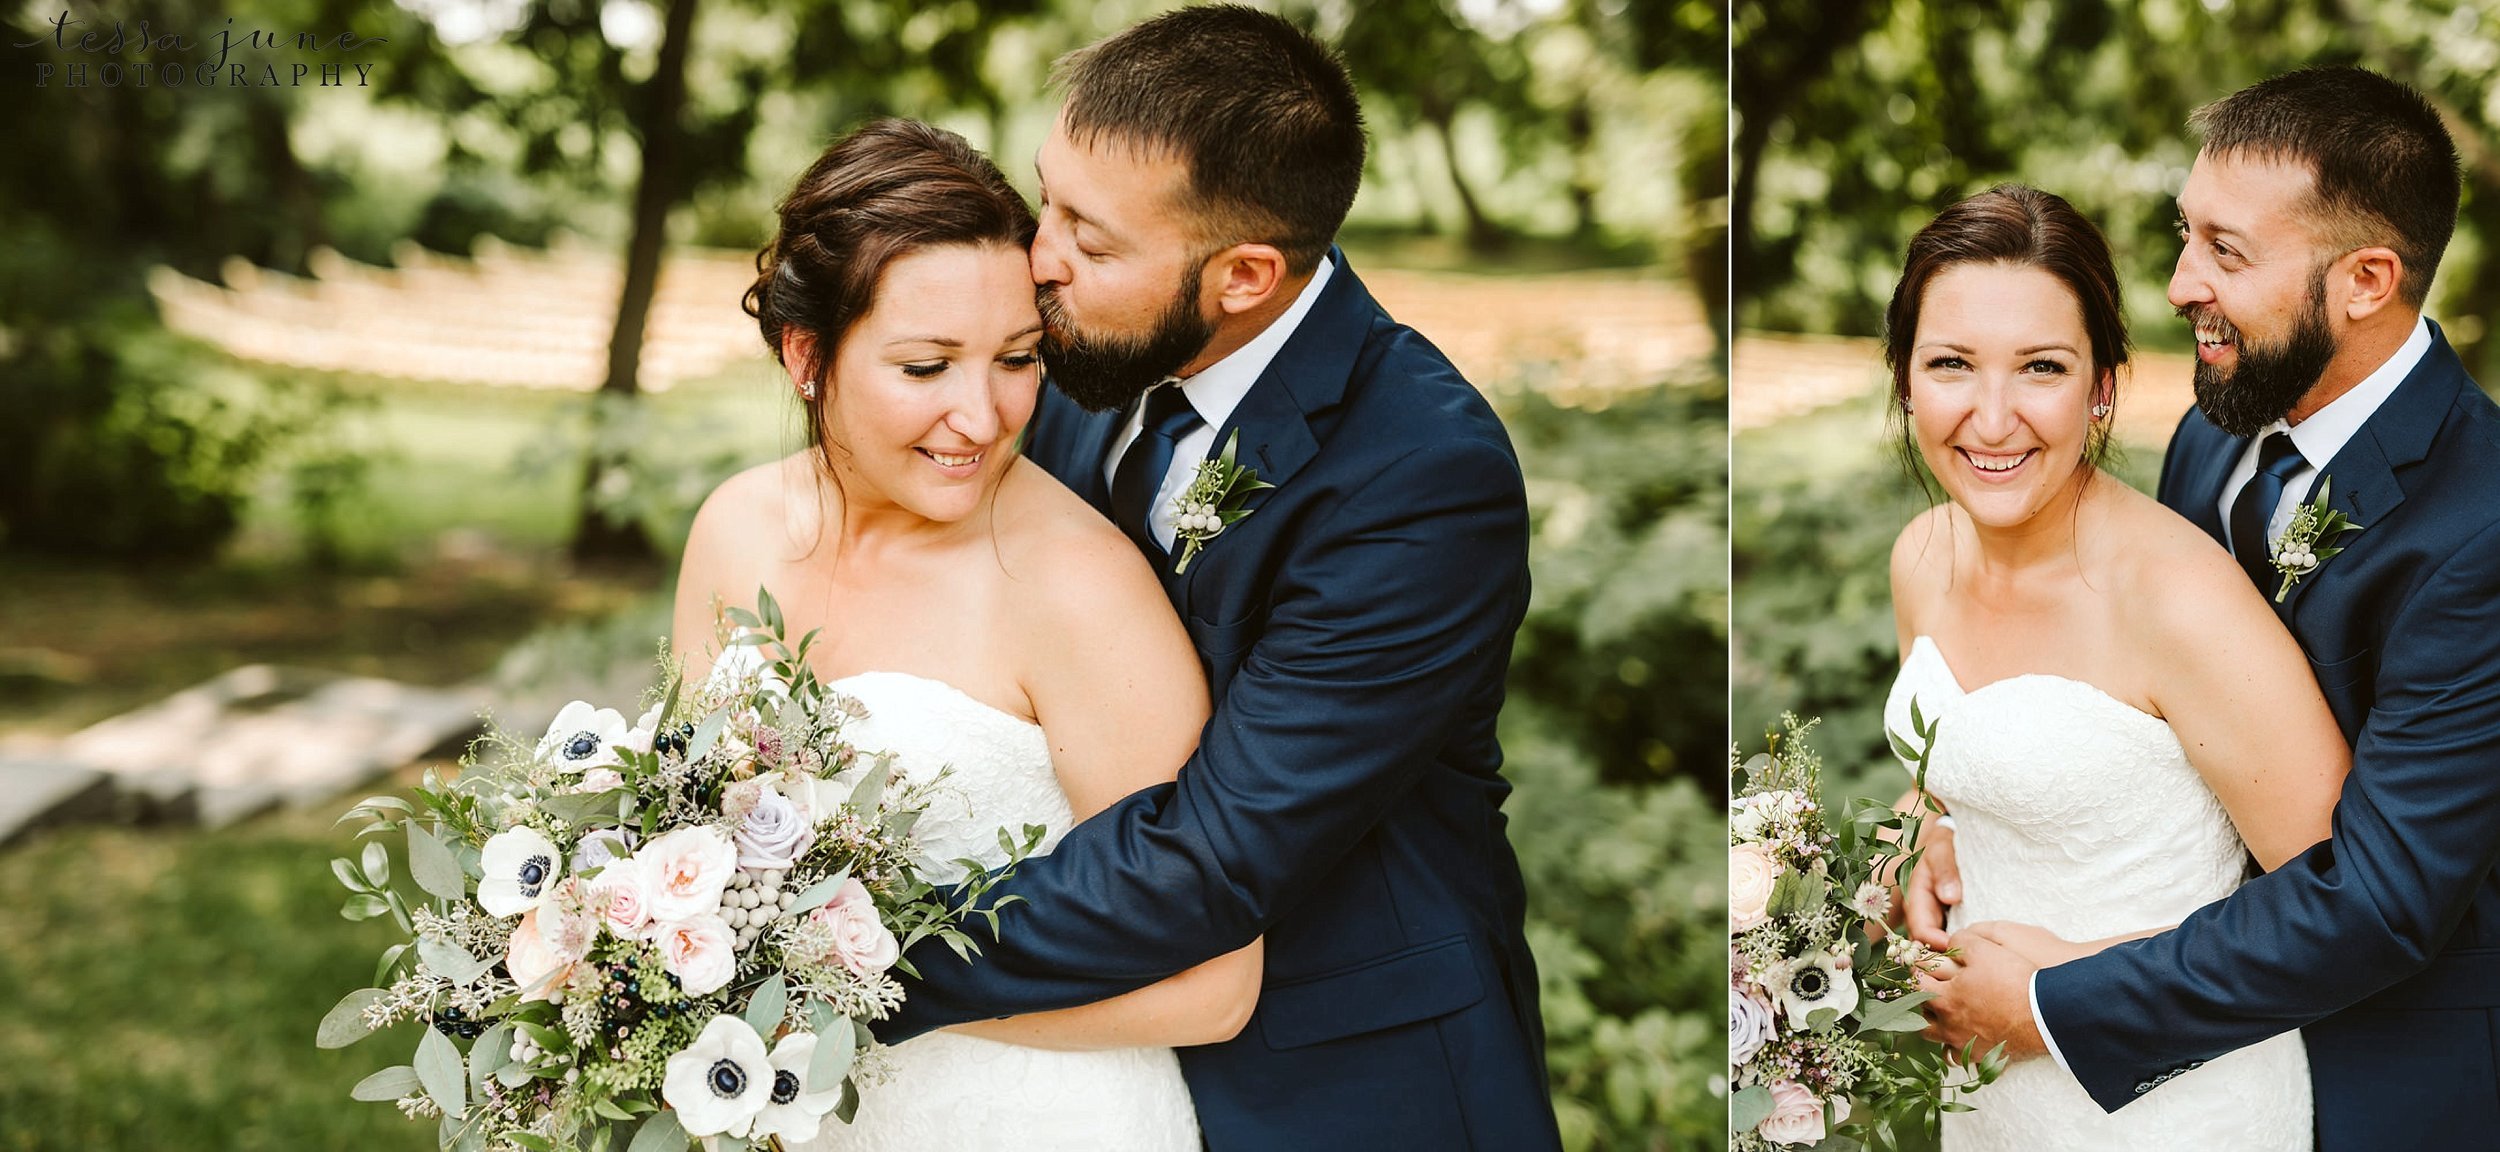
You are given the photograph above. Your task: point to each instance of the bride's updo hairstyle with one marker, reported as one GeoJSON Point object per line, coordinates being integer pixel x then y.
{"type": "Point", "coordinates": [890, 188]}
{"type": "Point", "coordinates": [2024, 227]}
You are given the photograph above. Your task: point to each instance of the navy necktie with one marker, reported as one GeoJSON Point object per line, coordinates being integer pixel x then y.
{"type": "Point", "coordinates": [2277, 459]}
{"type": "Point", "coordinates": [1142, 468]}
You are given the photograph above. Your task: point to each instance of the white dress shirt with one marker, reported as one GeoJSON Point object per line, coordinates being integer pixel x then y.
{"type": "Point", "coordinates": [2324, 433]}
{"type": "Point", "coordinates": [2318, 438]}
{"type": "Point", "coordinates": [1214, 392]}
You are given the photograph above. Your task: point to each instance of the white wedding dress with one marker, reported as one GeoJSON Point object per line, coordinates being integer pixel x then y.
{"type": "Point", "coordinates": [950, 1091]}
{"type": "Point", "coordinates": [2079, 813]}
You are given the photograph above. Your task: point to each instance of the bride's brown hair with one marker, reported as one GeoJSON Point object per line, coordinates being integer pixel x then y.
{"type": "Point", "coordinates": [2026, 227]}
{"type": "Point", "coordinates": [890, 188]}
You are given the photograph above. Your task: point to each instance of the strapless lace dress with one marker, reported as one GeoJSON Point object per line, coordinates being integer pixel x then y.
{"type": "Point", "coordinates": [2077, 812]}
{"type": "Point", "coordinates": [949, 1091]}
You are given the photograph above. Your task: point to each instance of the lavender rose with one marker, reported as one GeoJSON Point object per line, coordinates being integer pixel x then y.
{"type": "Point", "coordinates": [774, 833]}
{"type": "Point", "coordinates": [1749, 1025]}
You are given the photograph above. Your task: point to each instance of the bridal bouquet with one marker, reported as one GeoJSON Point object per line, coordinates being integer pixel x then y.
{"type": "Point", "coordinates": [675, 928]}
{"type": "Point", "coordinates": [1820, 1013]}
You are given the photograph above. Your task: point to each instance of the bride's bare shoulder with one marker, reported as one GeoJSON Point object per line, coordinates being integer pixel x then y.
{"type": "Point", "coordinates": [2176, 580]}
{"type": "Point", "coordinates": [1060, 553]}
{"type": "Point", "coordinates": [1922, 555]}
{"type": "Point", "coordinates": [750, 519]}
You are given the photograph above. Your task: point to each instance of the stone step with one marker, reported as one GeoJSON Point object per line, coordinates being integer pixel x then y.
{"type": "Point", "coordinates": [261, 736]}
{"type": "Point", "coordinates": [37, 790]}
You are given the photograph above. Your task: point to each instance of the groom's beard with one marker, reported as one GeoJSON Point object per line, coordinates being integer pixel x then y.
{"type": "Point", "coordinates": [2270, 379]}
{"type": "Point", "coordinates": [1107, 373]}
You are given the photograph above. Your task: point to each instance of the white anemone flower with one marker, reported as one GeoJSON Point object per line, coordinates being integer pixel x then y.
{"type": "Point", "coordinates": [1820, 981]}
{"type": "Point", "coordinates": [795, 1109]}
{"type": "Point", "coordinates": [721, 1082]}
{"type": "Point", "coordinates": [583, 737]}
{"type": "Point", "coordinates": [521, 867]}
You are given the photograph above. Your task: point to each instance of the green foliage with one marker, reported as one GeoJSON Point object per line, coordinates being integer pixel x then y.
{"type": "Point", "coordinates": [1859, 119]}
{"type": "Point", "coordinates": [1613, 735]}
{"type": "Point", "coordinates": [1627, 631]}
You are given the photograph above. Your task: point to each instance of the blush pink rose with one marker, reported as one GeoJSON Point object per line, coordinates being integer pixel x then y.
{"type": "Point", "coordinates": [700, 951]}
{"type": "Point", "coordinates": [530, 961]}
{"type": "Point", "coordinates": [684, 872]}
{"type": "Point", "coordinates": [860, 939]}
{"type": "Point", "coordinates": [1751, 874]}
{"type": "Point", "coordinates": [1796, 1116]}
{"type": "Point", "coordinates": [621, 905]}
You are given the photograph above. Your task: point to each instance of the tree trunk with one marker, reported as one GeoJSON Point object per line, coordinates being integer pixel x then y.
{"type": "Point", "coordinates": [1483, 235]}
{"type": "Point", "coordinates": [600, 536]}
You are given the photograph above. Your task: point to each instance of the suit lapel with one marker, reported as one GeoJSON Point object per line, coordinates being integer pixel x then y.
{"type": "Point", "coordinates": [1092, 433]}
{"type": "Point", "coordinates": [1308, 376]}
{"type": "Point", "coordinates": [2363, 478]}
{"type": "Point", "coordinates": [2205, 478]}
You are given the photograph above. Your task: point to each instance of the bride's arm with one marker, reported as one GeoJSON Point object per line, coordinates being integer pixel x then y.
{"type": "Point", "coordinates": [2235, 687]}
{"type": "Point", "coordinates": [1118, 689]}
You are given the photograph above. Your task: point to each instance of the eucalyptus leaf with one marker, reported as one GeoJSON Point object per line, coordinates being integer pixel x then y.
{"type": "Point", "coordinates": [488, 1056]}
{"type": "Point", "coordinates": [1900, 1015]}
{"type": "Point", "coordinates": [819, 893]}
{"type": "Point", "coordinates": [836, 1047]}
{"type": "Point", "coordinates": [439, 1068]}
{"type": "Point", "coordinates": [661, 1133]}
{"type": "Point", "coordinates": [448, 960]}
{"type": "Point", "coordinates": [765, 1010]}
{"type": "Point", "coordinates": [871, 790]}
{"type": "Point", "coordinates": [705, 735]}
{"type": "Point", "coordinates": [345, 1023]}
{"type": "Point", "coordinates": [388, 1084]}
{"type": "Point", "coordinates": [436, 870]}
{"type": "Point", "coordinates": [390, 960]}
{"type": "Point", "coordinates": [581, 808]}
{"type": "Point", "coordinates": [1749, 1108]}
{"type": "Point", "coordinates": [849, 1107]}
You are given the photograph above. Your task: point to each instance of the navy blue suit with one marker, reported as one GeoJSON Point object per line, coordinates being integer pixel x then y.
{"type": "Point", "coordinates": [1345, 799]}
{"type": "Point", "coordinates": [2383, 943]}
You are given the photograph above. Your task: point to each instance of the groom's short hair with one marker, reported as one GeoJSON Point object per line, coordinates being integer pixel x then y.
{"type": "Point", "coordinates": [2383, 167]}
{"type": "Point", "coordinates": [1262, 115]}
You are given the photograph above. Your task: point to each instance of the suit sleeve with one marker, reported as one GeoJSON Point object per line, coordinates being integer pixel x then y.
{"type": "Point", "coordinates": [1399, 607]}
{"type": "Point", "coordinates": [2416, 836]}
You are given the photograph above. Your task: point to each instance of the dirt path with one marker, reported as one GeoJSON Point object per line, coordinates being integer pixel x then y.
{"type": "Point", "coordinates": [540, 319]}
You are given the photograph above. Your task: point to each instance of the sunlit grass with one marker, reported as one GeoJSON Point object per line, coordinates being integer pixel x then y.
{"type": "Point", "coordinates": [163, 986]}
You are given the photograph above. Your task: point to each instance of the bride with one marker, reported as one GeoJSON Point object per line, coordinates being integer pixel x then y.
{"type": "Point", "coordinates": [2122, 721]}
{"type": "Point", "coordinates": [992, 623]}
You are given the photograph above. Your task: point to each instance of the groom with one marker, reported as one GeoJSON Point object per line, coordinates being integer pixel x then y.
{"type": "Point", "coordinates": [1345, 799]}
{"type": "Point", "coordinates": [2314, 218]}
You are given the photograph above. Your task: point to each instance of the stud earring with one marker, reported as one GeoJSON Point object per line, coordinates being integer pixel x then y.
{"type": "Point", "coordinates": [807, 390]}
{"type": "Point", "coordinates": [2100, 411]}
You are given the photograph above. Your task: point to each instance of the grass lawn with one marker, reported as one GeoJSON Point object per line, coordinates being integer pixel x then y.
{"type": "Point", "coordinates": [163, 989]}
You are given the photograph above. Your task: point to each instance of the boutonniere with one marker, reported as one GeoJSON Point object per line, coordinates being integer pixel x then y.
{"type": "Point", "coordinates": [1212, 502]}
{"type": "Point", "coordinates": [2309, 540]}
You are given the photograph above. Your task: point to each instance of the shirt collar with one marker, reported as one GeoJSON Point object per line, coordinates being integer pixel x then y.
{"type": "Point", "coordinates": [1217, 390]}
{"type": "Point", "coordinates": [2327, 430]}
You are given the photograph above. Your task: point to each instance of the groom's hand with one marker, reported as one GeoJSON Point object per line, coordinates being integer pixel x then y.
{"type": "Point", "coordinates": [1985, 995]}
{"type": "Point", "coordinates": [1934, 885]}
